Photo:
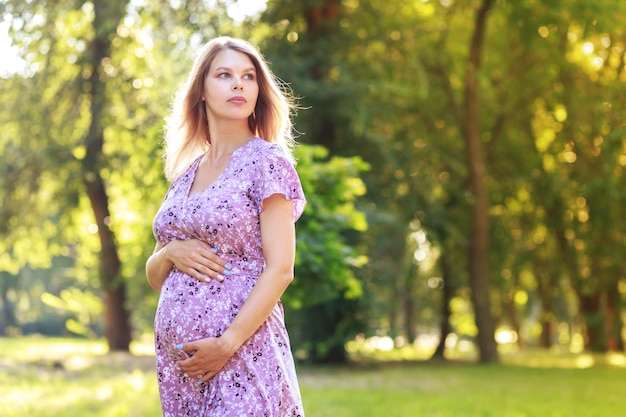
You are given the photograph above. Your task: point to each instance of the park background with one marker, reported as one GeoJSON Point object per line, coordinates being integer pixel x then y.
{"type": "Point", "coordinates": [464, 163]}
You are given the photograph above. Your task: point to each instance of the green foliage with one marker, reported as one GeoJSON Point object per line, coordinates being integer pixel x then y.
{"type": "Point", "coordinates": [324, 294]}
{"type": "Point", "coordinates": [325, 262]}
{"type": "Point", "coordinates": [562, 154]}
{"type": "Point", "coordinates": [84, 307]}
{"type": "Point", "coordinates": [385, 82]}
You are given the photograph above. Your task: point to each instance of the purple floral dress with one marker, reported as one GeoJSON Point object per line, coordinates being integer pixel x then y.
{"type": "Point", "coordinates": [260, 379]}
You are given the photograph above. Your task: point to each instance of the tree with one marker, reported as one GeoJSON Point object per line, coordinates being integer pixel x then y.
{"type": "Point", "coordinates": [569, 113]}
{"type": "Point", "coordinates": [106, 17]}
{"type": "Point", "coordinates": [86, 84]}
{"type": "Point", "coordinates": [479, 232]}
{"type": "Point", "coordinates": [311, 40]}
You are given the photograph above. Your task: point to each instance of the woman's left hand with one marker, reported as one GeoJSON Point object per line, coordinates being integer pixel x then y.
{"type": "Point", "coordinates": [209, 357]}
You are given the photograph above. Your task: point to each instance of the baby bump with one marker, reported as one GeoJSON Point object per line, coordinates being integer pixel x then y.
{"type": "Point", "coordinates": [189, 309]}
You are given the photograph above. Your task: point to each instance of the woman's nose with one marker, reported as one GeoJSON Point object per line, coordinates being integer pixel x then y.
{"type": "Point", "coordinates": [237, 84]}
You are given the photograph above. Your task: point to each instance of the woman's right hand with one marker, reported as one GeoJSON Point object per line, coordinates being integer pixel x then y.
{"type": "Point", "coordinates": [196, 259]}
{"type": "Point", "coordinates": [193, 257]}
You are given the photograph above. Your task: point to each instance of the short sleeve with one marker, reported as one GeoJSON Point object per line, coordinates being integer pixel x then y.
{"type": "Point", "coordinates": [275, 174]}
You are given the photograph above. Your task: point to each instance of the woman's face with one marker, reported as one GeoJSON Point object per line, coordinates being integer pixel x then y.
{"type": "Point", "coordinates": [230, 87]}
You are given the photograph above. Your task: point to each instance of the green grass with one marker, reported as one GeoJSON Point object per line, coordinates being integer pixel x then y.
{"type": "Point", "coordinates": [70, 378]}
{"type": "Point", "coordinates": [466, 390]}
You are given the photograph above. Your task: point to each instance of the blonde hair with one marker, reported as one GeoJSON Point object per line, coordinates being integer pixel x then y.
{"type": "Point", "coordinates": [187, 128]}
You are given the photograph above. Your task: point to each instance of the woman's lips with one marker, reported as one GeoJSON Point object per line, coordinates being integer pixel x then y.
{"type": "Point", "coordinates": [237, 100]}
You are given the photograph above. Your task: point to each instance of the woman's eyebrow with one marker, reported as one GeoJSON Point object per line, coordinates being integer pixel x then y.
{"type": "Point", "coordinates": [230, 69]}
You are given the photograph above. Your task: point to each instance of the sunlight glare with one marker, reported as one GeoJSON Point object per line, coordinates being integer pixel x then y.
{"type": "Point", "coordinates": [11, 63]}
{"type": "Point", "coordinates": [242, 9]}
{"type": "Point", "coordinates": [136, 380]}
{"type": "Point", "coordinates": [584, 361]}
{"type": "Point", "coordinates": [104, 392]}
{"type": "Point", "coordinates": [616, 359]}
{"type": "Point", "coordinates": [598, 62]}
{"type": "Point", "coordinates": [505, 336]}
{"type": "Point", "coordinates": [384, 343]}
{"type": "Point", "coordinates": [78, 362]}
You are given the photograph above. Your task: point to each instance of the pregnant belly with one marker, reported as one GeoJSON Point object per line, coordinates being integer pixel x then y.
{"type": "Point", "coordinates": [190, 310]}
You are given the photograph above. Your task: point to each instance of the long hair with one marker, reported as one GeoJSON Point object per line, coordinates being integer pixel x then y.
{"type": "Point", "coordinates": [187, 128]}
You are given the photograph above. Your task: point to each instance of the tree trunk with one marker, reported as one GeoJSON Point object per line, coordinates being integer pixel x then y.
{"type": "Point", "coordinates": [408, 305]}
{"type": "Point", "coordinates": [514, 320]}
{"type": "Point", "coordinates": [600, 310]}
{"type": "Point", "coordinates": [548, 286]}
{"type": "Point", "coordinates": [593, 320]}
{"type": "Point", "coordinates": [322, 19]}
{"type": "Point", "coordinates": [117, 317]}
{"type": "Point", "coordinates": [546, 318]}
{"type": "Point", "coordinates": [478, 263]}
{"type": "Point", "coordinates": [613, 323]}
{"type": "Point", "coordinates": [446, 296]}
{"type": "Point", "coordinates": [405, 288]}
{"type": "Point", "coordinates": [8, 316]}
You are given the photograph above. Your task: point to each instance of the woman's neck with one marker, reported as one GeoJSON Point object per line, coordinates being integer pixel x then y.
{"type": "Point", "coordinates": [227, 137]}
{"type": "Point", "coordinates": [225, 141]}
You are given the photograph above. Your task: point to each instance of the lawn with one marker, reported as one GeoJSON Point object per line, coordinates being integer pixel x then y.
{"type": "Point", "coordinates": [70, 378]}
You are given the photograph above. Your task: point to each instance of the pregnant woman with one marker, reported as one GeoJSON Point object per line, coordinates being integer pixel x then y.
{"type": "Point", "coordinates": [226, 242]}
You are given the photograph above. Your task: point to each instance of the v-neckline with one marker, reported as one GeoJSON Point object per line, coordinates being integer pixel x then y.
{"type": "Point", "coordinates": [196, 165]}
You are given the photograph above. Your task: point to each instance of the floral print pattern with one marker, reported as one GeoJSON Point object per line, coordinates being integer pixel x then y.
{"type": "Point", "coordinates": [260, 379]}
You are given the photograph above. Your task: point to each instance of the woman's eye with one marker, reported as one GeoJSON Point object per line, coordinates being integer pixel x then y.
{"type": "Point", "coordinates": [249, 77]}
{"type": "Point", "coordinates": [223, 75]}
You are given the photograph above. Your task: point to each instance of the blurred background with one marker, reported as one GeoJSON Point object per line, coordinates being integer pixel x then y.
{"type": "Point", "coordinates": [464, 163]}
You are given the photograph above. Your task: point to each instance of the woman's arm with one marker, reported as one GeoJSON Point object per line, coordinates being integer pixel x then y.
{"type": "Point", "coordinates": [278, 238]}
{"type": "Point", "coordinates": [193, 257]}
